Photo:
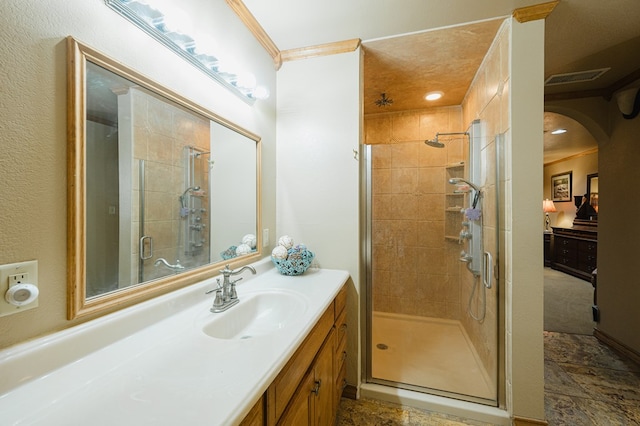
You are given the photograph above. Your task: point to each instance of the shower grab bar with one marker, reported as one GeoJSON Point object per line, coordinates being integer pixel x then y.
{"type": "Point", "coordinates": [142, 240]}
{"type": "Point", "coordinates": [487, 276]}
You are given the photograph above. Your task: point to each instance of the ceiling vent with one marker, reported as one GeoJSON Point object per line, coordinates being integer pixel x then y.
{"type": "Point", "coordinates": [575, 77]}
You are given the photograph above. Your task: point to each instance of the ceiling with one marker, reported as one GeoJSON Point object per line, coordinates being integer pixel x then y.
{"type": "Point", "coordinates": [426, 43]}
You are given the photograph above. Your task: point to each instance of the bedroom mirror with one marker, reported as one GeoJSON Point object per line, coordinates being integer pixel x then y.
{"type": "Point", "coordinates": [592, 192]}
{"type": "Point", "coordinates": [162, 192]}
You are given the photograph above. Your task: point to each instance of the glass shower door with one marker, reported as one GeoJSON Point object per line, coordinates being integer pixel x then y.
{"type": "Point", "coordinates": [431, 293]}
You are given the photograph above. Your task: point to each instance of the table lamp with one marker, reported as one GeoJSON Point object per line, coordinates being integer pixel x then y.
{"type": "Point", "coordinates": [547, 207]}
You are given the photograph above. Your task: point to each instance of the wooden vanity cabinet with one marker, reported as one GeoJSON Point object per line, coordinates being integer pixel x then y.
{"type": "Point", "coordinates": [307, 390]}
{"type": "Point", "coordinates": [312, 404]}
{"type": "Point", "coordinates": [340, 355]}
{"type": "Point", "coordinates": [256, 415]}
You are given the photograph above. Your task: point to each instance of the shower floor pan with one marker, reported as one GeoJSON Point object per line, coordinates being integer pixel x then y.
{"type": "Point", "coordinates": [427, 352]}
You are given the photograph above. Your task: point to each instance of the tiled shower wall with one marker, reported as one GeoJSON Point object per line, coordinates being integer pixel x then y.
{"type": "Point", "coordinates": [415, 271]}
{"type": "Point", "coordinates": [161, 131]}
{"type": "Point", "coordinates": [488, 100]}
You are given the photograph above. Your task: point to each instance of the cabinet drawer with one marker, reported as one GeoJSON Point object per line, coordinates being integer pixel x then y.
{"type": "Point", "coordinates": [586, 267]}
{"type": "Point", "coordinates": [341, 328]}
{"type": "Point", "coordinates": [571, 262]}
{"type": "Point", "coordinates": [588, 258]}
{"type": "Point", "coordinates": [565, 243]}
{"type": "Point", "coordinates": [588, 247]}
{"type": "Point", "coordinates": [340, 302]}
{"type": "Point", "coordinates": [285, 384]}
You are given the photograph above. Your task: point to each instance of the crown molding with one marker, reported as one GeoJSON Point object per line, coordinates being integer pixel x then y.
{"type": "Point", "coordinates": [574, 156]}
{"type": "Point", "coordinates": [321, 50]}
{"type": "Point", "coordinates": [537, 11]}
{"type": "Point", "coordinates": [256, 29]}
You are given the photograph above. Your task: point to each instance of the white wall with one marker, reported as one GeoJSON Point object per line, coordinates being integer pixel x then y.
{"type": "Point", "coordinates": [317, 177]}
{"type": "Point", "coordinates": [524, 260]}
{"type": "Point", "coordinates": [33, 118]}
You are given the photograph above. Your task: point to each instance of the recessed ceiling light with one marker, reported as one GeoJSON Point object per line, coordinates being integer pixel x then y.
{"type": "Point", "coordinates": [558, 131]}
{"type": "Point", "coordinates": [433, 96]}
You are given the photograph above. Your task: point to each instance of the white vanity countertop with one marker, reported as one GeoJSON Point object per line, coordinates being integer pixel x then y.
{"type": "Point", "coordinates": [123, 369]}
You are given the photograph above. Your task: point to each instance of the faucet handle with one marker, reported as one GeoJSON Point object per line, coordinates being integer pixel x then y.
{"type": "Point", "coordinates": [218, 301]}
{"type": "Point", "coordinates": [218, 287]}
{"type": "Point", "coordinates": [233, 294]}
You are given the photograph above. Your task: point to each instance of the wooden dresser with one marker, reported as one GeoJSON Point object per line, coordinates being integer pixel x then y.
{"type": "Point", "coordinates": [575, 249]}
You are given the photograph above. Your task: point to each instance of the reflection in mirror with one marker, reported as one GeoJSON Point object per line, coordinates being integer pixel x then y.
{"type": "Point", "coordinates": [160, 189]}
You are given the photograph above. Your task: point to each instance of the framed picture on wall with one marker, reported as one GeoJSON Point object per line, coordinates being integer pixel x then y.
{"type": "Point", "coordinates": [561, 187]}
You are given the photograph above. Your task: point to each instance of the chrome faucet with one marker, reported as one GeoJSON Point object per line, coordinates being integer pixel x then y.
{"type": "Point", "coordinates": [226, 295]}
{"type": "Point", "coordinates": [176, 267]}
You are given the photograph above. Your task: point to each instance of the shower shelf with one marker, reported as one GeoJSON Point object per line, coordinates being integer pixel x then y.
{"type": "Point", "coordinates": [454, 209]}
{"type": "Point", "coordinates": [455, 165]}
{"type": "Point", "coordinates": [452, 238]}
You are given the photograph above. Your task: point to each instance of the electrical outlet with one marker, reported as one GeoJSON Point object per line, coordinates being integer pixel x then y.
{"type": "Point", "coordinates": [265, 237]}
{"type": "Point", "coordinates": [15, 274]}
{"type": "Point", "coordinates": [18, 279]}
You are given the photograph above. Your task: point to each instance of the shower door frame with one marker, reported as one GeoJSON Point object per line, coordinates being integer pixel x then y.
{"type": "Point", "coordinates": [367, 317]}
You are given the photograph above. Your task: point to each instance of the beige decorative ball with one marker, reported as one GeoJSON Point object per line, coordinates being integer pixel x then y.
{"type": "Point", "coordinates": [285, 241]}
{"type": "Point", "coordinates": [243, 249]}
{"type": "Point", "coordinates": [249, 240]}
{"type": "Point", "coordinates": [280, 252]}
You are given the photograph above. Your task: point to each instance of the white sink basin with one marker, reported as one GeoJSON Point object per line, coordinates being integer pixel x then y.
{"type": "Point", "coordinates": [258, 314]}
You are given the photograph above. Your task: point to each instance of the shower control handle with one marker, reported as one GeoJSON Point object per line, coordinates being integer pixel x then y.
{"type": "Point", "coordinates": [464, 235]}
{"type": "Point", "coordinates": [464, 257]}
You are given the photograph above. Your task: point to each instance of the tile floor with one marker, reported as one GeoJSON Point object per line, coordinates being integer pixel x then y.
{"type": "Point", "coordinates": [586, 384]}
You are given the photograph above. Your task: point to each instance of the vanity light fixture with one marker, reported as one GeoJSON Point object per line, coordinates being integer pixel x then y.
{"type": "Point", "coordinates": [433, 96]}
{"type": "Point", "coordinates": [167, 30]}
{"type": "Point", "coordinates": [558, 131]}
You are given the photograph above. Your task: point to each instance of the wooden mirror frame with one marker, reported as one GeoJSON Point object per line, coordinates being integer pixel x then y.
{"type": "Point", "coordinates": [77, 303]}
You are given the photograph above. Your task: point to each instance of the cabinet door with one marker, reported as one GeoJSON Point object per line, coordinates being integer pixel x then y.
{"type": "Point", "coordinates": [300, 409]}
{"type": "Point", "coordinates": [324, 384]}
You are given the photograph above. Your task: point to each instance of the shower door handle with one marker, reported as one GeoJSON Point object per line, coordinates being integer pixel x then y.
{"type": "Point", "coordinates": [487, 269]}
{"type": "Point", "coordinates": [142, 246]}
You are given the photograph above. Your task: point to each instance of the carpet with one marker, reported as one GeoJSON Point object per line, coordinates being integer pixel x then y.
{"type": "Point", "coordinates": [567, 303]}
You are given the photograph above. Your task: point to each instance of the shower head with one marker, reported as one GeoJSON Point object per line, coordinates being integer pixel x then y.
{"type": "Point", "coordinates": [437, 144]}
{"type": "Point", "coordinates": [182, 199]}
{"type": "Point", "coordinates": [458, 181]}
{"type": "Point", "coordinates": [192, 188]}
{"type": "Point", "coordinates": [434, 142]}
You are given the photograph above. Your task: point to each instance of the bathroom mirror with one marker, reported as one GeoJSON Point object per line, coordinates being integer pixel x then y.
{"type": "Point", "coordinates": [162, 192]}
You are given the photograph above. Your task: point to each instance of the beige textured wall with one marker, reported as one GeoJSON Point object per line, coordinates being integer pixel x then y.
{"type": "Point", "coordinates": [408, 223]}
{"type": "Point", "coordinates": [33, 105]}
{"type": "Point", "coordinates": [488, 100]}
{"type": "Point", "coordinates": [618, 231]}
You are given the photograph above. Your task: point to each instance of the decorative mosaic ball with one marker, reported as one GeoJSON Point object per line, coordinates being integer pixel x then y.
{"type": "Point", "coordinates": [243, 249]}
{"type": "Point", "coordinates": [285, 241]}
{"type": "Point", "coordinates": [279, 252]}
{"type": "Point", "coordinates": [249, 240]}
